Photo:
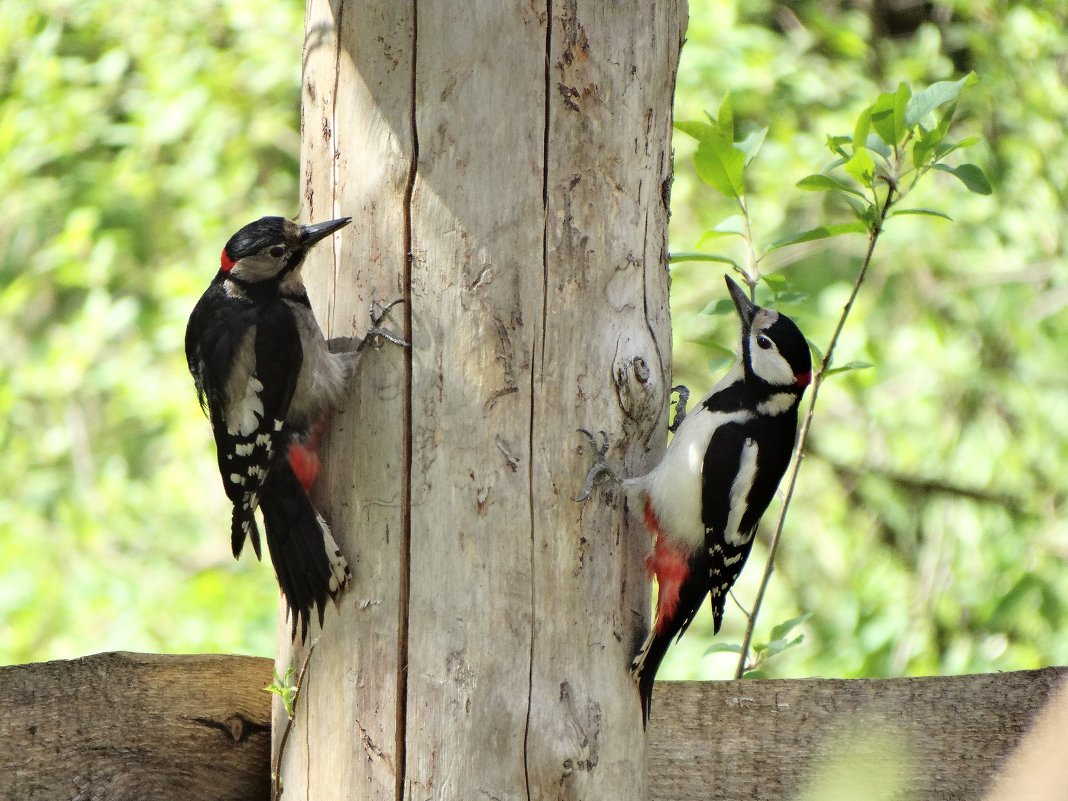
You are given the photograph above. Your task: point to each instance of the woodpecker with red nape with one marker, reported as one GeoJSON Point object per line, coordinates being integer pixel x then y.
{"type": "Point", "coordinates": [703, 502]}
{"type": "Point", "coordinates": [267, 379]}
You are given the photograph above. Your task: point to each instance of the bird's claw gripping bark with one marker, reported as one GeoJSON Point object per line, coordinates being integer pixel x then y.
{"type": "Point", "coordinates": [599, 470]}
{"type": "Point", "coordinates": [680, 406]}
{"type": "Point", "coordinates": [376, 333]}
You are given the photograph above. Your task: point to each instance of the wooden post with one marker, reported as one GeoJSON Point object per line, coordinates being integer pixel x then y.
{"type": "Point", "coordinates": [507, 165]}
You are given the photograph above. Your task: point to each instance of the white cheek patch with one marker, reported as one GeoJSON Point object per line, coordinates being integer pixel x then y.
{"type": "Point", "coordinates": [255, 268]}
{"type": "Point", "coordinates": [769, 365]}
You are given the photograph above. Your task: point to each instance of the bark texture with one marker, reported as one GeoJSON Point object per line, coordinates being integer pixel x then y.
{"type": "Point", "coordinates": [507, 165]}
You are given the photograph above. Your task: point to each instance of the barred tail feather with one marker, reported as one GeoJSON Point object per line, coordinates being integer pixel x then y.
{"type": "Point", "coordinates": [307, 560]}
{"type": "Point", "coordinates": [242, 525]}
{"type": "Point", "coordinates": [646, 663]}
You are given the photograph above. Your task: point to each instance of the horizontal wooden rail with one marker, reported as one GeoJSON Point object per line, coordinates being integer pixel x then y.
{"type": "Point", "coordinates": [137, 727]}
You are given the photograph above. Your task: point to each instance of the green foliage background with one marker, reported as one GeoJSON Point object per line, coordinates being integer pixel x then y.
{"type": "Point", "coordinates": [928, 535]}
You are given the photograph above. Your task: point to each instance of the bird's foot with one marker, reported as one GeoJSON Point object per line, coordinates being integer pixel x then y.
{"type": "Point", "coordinates": [376, 333]}
{"type": "Point", "coordinates": [680, 406]}
{"type": "Point", "coordinates": [354, 346]}
{"type": "Point", "coordinates": [599, 470]}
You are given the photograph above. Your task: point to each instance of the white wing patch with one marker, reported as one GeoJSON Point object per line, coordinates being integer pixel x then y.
{"type": "Point", "coordinates": [244, 416]}
{"type": "Point", "coordinates": [743, 482]}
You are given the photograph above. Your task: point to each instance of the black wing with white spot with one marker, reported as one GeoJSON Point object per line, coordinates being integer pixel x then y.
{"type": "Point", "coordinates": [246, 366]}
{"type": "Point", "coordinates": [730, 470]}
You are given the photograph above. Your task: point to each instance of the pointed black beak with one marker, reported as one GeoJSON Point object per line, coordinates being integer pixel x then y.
{"type": "Point", "coordinates": [746, 308]}
{"type": "Point", "coordinates": [310, 234]}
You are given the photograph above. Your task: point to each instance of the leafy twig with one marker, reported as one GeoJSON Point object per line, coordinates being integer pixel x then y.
{"type": "Point", "coordinates": [802, 439]}
{"type": "Point", "coordinates": [894, 142]}
{"type": "Point", "coordinates": [289, 695]}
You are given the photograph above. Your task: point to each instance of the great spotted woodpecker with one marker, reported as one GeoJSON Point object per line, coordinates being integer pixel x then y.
{"type": "Point", "coordinates": [267, 378]}
{"type": "Point", "coordinates": [703, 502]}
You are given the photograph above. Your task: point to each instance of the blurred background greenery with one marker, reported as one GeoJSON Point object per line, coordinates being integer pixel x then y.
{"type": "Point", "coordinates": [928, 535]}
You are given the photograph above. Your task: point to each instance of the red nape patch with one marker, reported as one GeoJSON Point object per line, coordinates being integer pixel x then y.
{"type": "Point", "coordinates": [305, 464]}
{"type": "Point", "coordinates": [671, 568]}
{"type": "Point", "coordinates": [803, 379]}
{"type": "Point", "coordinates": [226, 262]}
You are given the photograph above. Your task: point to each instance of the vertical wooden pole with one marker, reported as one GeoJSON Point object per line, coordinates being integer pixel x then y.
{"type": "Point", "coordinates": [520, 153]}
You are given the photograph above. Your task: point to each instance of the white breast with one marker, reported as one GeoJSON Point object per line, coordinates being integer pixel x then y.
{"type": "Point", "coordinates": [674, 485]}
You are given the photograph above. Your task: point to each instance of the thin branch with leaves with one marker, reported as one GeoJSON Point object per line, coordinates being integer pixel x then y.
{"type": "Point", "coordinates": [289, 692]}
{"type": "Point", "coordinates": [895, 142]}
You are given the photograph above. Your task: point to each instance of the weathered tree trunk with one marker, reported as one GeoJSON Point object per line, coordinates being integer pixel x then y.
{"type": "Point", "coordinates": [507, 165]}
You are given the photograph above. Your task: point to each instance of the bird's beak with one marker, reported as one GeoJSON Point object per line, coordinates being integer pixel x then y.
{"type": "Point", "coordinates": [746, 308]}
{"type": "Point", "coordinates": [310, 234]}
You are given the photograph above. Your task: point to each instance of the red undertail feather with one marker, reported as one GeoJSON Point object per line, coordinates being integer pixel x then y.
{"type": "Point", "coordinates": [671, 568]}
{"type": "Point", "coordinates": [304, 456]}
{"type": "Point", "coordinates": [305, 464]}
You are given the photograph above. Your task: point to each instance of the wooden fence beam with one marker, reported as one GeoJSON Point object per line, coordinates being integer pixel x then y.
{"type": "Point", "coordinates": [136, 727]}
{"type": "Point", "coordinates": [139, 727]}
{"type": "Point", "coordinates": [935, 737]}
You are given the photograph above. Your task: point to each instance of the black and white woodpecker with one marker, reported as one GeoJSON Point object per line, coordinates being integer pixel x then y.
{"type": "Point", "coordinates": [703, 501]}
{"type": "Point", "coordinates": [267, 379]}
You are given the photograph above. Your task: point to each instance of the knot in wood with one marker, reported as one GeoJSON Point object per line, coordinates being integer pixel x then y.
{"type": "Point", "coordinates": [639, 393]}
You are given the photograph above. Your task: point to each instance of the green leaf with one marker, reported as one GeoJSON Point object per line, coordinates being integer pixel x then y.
{"type": "Point", "coordinates": [698, 130]}
{"type": "Point", "coordinates": [720, 165]}
{"type": "Point", "coordinates": [815, 350]}
{"type": "Point", "coordinates": [865, 212]}
{"type": "Point", "coordinates": [725, 118]}
{"type": "Point", "coordinates": [882, 116]}
{"type": "Point", "coordinates": [928, 212]}
{"type": "Point", "coordinates": [847, 367]}
{"type": "Point", "coordinates": [282, 686]}
{"type": "Point", "coordinates": [861, 166]}
{"type": "Point", "coordinates": [875, 143]}
{"type": "Point", "coordinates": [970, 175]}
{"type": "Point", "coordinates": [754, 674]}
{"type": "Point", "coordinates": [784, 628]}
{"type": "Point", "coordinates": [924, 102]}
{"type": "Point", "coordinates": [774, 280]}
{"type": "Point", "coordinates": [675, 258]}
{"type": "Point", "coordinates": [945, 148]}
{"type": "Point", "coordinates": [731, 226]}
{"type": "Point", "coordinates": [863, 125]}
{"type": "Point", "coordinates": [922, 148]}
{"type": "Point", "coordinates": [822, 232]}
{"type": "Point", "coordinates": [750, 146]}
{"type": "Point", "coordinates": [782, 644]}
{"type": "Point", "coordinates": [835, 145]}
{"type": "Point", "coordinates": [825, 183]}
{"type": "Point", "coordinates": [901, 99]}
{"type": "Point", "coordinates": [724, 648]}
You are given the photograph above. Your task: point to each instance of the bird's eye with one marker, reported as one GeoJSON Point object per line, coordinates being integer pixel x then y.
{"type": "Point", "coordinates": [277, 251]}
{"type": "Point", "coordinates": [764, 342]}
